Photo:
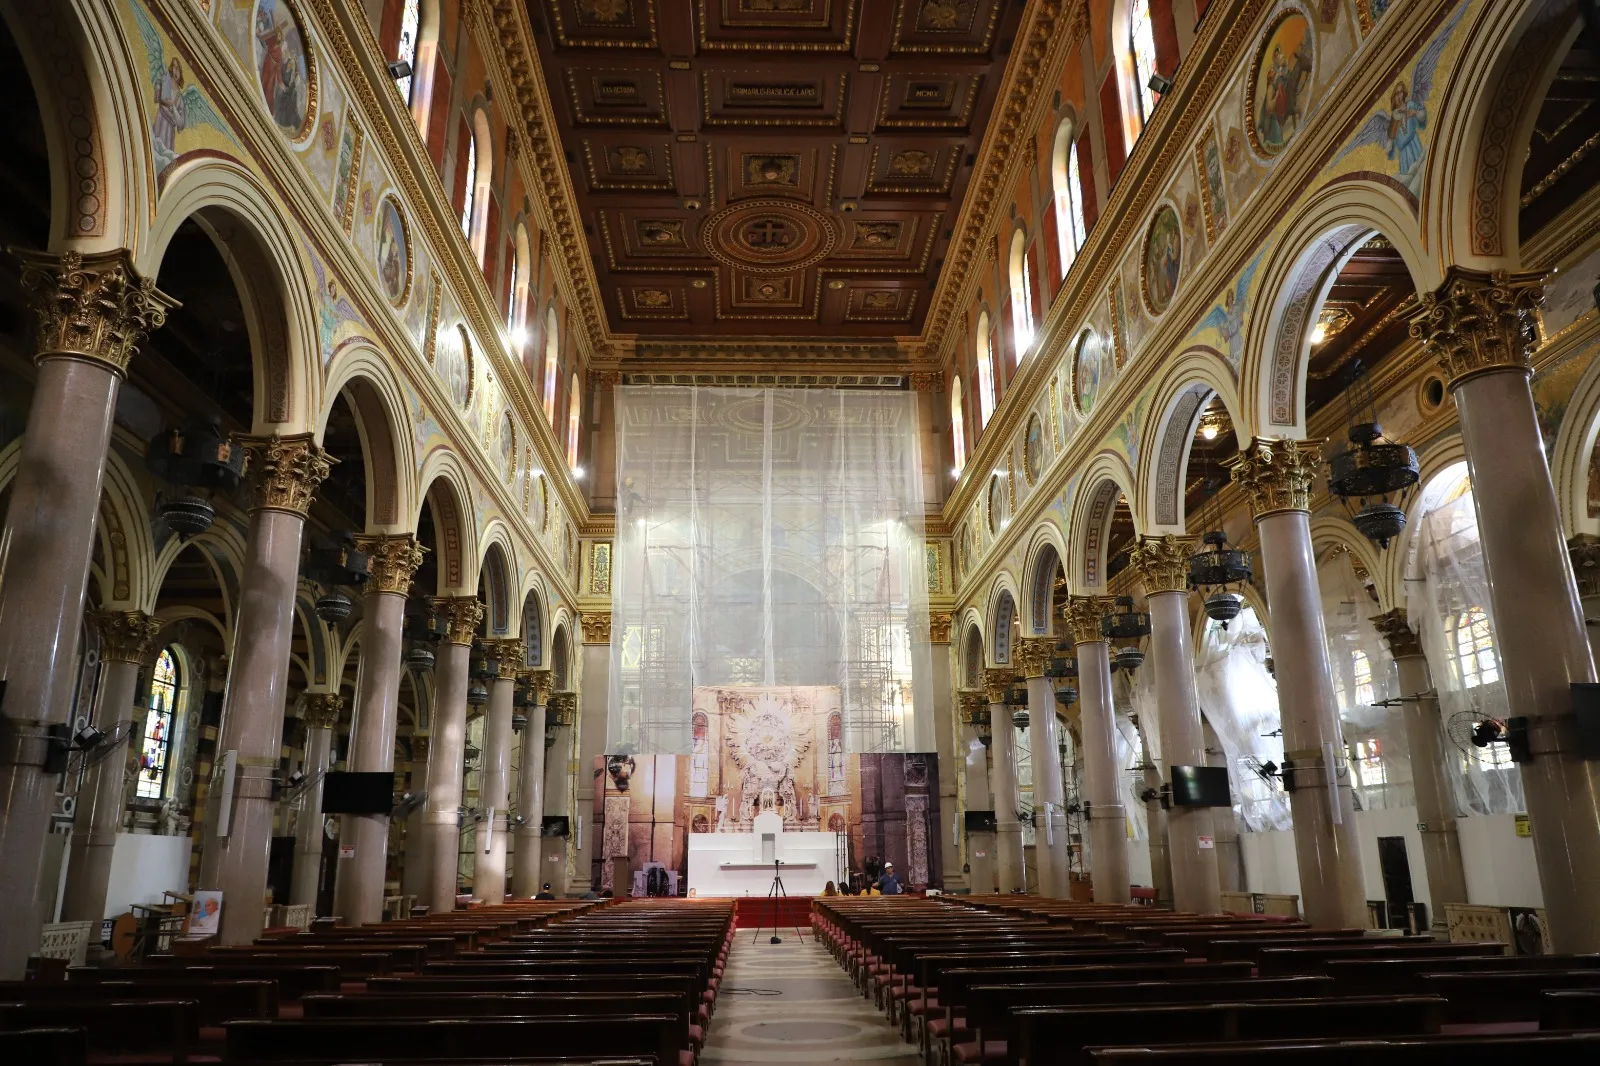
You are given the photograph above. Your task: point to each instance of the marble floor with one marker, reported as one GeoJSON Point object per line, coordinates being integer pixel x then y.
{"type": "Point", "coordinates": [812, 1014]}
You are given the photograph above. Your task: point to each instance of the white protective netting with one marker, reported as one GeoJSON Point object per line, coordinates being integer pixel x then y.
{"type": "Point", "coordinates": [769, 537]}
{"type": "Point", "coordinates": [1239, 699]}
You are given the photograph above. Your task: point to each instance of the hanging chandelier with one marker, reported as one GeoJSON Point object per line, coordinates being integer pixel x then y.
{"type": "Point", "coordinates": [1215, 570]}
{"type": "Point", "coordinates": [1061, 672]}
{"type": "Point", "coordinates": [334, 567]}
{"type": "Point", "coordinates": [1127, 625]}
{"type": "Point", "coordinates": [195, 460]}
{"type": "Point", "coordinates": [1371, 468]}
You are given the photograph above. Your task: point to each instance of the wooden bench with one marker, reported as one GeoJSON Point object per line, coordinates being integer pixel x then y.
{"type": "Point", "coordinates": [1386, 975]}
{"type": "Point", "coordinates": [1507, 996]}
{"type": "Point", "coordinates": [1570, 1008]}
{"type": "Point", "coordinates": [1277, 961]}
{"type": "Point", "coordinates": [168, 1026]}
{"type": "Point", "coordinates": [294, 979]}
{"type": "Point", "coordinates": [1567, 1049]}
{"type": "Point", "coordinates": [219, 1001]}
{"type": "Point", "coordinates": [45, 1047]}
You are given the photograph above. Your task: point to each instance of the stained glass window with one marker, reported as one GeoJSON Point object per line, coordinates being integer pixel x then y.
{"type": "Point", "coordinates": [410, 29]}
{"type": "Point", "coordinates": [1369, 763]}
{"type": "Point", "coordinates": [1474, 644]}
{"type": "Point", "coordinates": [1021, 296]}
{"type": "Point", "coordinates": [158, 727]}
{"type": "Point", "coordinates": [1142, 50]}
{"type": "Point", "coordinates": [1070, 227]}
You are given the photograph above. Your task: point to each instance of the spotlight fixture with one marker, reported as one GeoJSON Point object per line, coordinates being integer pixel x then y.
{"type": "Point", "coordinates": [399, 70]}
{"type": "Point", "coordinates": [296, 777]}
{"type": "Point", "coordinates": [88, 737]}
{"type": "Point", "coordinates": [1159, 85]}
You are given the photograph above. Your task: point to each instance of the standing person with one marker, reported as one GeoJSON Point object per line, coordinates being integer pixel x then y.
{"type": "Point", "coordinates": [889, 884]}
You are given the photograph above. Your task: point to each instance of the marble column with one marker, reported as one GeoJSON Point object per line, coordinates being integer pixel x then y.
{"type": "Point", "coordinates": [448, 747]}
{"type": "Point", "coordinates": [1155, 816]}
{"type": "Point", "coordinates": [1108, 822]}
{"type": "Point", "coordinates": [945, 738]}
{"type": "Point", "coordinates": [591, 725]}
{"type": "Point", "coordinates": [286, 472]}
{"type": "Point", "coordinates": [980, 843]}
{"type": "Point", "coordinates": [359, 890]}
{"type": "Point", "coordinates": [322, 713]}
{"type": "Point", "coordinates": [127, 646]}
{"type": "Point", "coordinates": [555, 852]}
{"type": "Point", "coordinates": [1163, 565]}
{"type": "Point", "coordinates": [1050, 837]}
{"type": "Point", "coordinates": [1009, 871]}
{"type": "Point", "coordinates": [530, 791]}
{"type": "Point", "coordinates": [1436, 807]}
{"type": "Point", "coordinates": [1482, 330]}
{"type": "Point", "coordinates": [1276, 475]}
{"type": "Point", "coordinates": [489, 871]}
{"type": "Point", "coordinates": [93, 312]}
{"type": "Point", "coordinates": [1583, 550]}
{"type": "Point", "coordinates": [416, 872]}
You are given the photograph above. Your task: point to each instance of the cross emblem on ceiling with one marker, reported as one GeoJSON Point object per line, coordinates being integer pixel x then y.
{"type": "Point", "coordinates": [768, 234]}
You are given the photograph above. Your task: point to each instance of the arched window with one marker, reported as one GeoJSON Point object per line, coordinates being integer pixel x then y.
{"type": "Point", "coordinates": [958, 426]}
{"type": "Point", "coordinates": [574, 411]}
{"type": "Point", "coordinates": [1021, 296]}
{"type": "Point", "coordinates": [1068, 185]}
{"type": "Point", "coordinates": [478, 163]}
{"type": "Point", "coordinates": [1368, 758]}
{"type": "Point", "coordinates": [1472, 641]}
{"type": "Point", "coordinates": [156, 746]}
{"type": "Point", "coordinates": [552, 353]}
{"type": "Point", "coordinates": [517, 310]}
{"type": "Point", "coordinates": [986, 397]}
{"type": "Point", "coordinates": [469, 195]}
{"type": "Point", "coordinates": [1142, 57]}
{"type": "Point", "coordinates": [410, 34]}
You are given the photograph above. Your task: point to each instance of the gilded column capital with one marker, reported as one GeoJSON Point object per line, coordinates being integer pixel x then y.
{"type": "Point", "coordinates": [939, 623]}
{"type": "Point", "coordinates": [562, 709]}
{"type": "Point", "coordinates": [972, 703]}
{"type": "Point", "coordinates": [510, 653]}
{"type": "Point", "coordinates": [1277, 474]}
{"type": "Point", "coordinates": [394, 559]}
{"type": "Point", "coordinates": [419, 748]}
{"type": "Point", "coordinates": [927, 381]}
{"type": "Point", "coordinates": [1162, 563]}
{"type": "Point", "coordinates": [1479, 322]}
{"type": "Point", "coordinates": [461, 615]}
{"type": "Point", "coordinates": [1396, 631]}
{"type": "Point", "coordinates": [1584, 550]}
{"type": "Point", "coordinates": [596, 627]}
{"type": "Point", "coordinates": [1033, 655]}
{"type": "Point", "coordinates": [996, 681]}
{"type": "Point", "coordinates": [94, 307]}
{"type": "Point", "coordinates": [286, 470]}
{"type": "Point", "coordinates": [323, 709]}
{"type": "Point", "coordinates": [1084, 615]}
{"type": "Point", "coordinates": [127, 636]}
{"type": "Point", "coordinates": [539, 682]}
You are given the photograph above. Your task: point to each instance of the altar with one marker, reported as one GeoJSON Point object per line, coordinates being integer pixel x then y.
{"type": "Point", "coordinates": [741, 864]}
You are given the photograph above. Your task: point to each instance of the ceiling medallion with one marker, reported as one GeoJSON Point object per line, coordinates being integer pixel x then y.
{"type": "Point", "coordinates": [768, 236]}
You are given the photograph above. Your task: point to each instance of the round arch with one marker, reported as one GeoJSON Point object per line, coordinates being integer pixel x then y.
{"type": "Point", "coordinates": [445, 493]}
{"type": "Point", "coordinates": [221, 548]}
{"type": "Point", "coordinates": [1106, 478]}
{"type": "Point", "coordinates": [497, 571]}
{"type": "Point", "coordinates": [1329, 531]}
{"type": "Point", "coordinates": [561, 653]}
{"type": "Point", "coordinates": [535, 612]}
{"type": "Point", "coordinates": [1295, 281]}
{"type": "Point", "coordinates": [971, 662]}
{"type": "Point", "coordinates": [1001, 613]}
{"type": "Point", "coordinates": [1186, 388]}
{"type": "Point", "coordinates": [1046, 553]}
{"type": "Point", "coordinates": [377, 399]}
{"type": "Point", "coordinates": [244, 221]}
{"type": "Point", "coordinates": [1447, 456]}
{"type": "Point", "coordinates": [1573, 456]}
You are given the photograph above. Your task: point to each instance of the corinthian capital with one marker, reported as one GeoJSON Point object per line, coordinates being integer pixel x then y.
{"type": "Point", "coordinates": [996, 682]}
{"type": "Point", "coordinates": [394, 560]}
{"type": "Point", "coordinates": [596, 627]}
{"type": "Point", "coordinates": [1162, 563]}
{"type": "Point", "coordinates": [1478, 322]}
{"type": "Point", "coordinates": [539, 682]}
{"type": "Point", "coordinates": [1584, 551]}
{"type": "Point", "coordinates": [461, 616]}
{"type": "Point", "coordinates": [1033, 655]}
{"type": "Point", "coordinates": [562, 709]}
{"type": "Point", "coordinates": [323, 709]}
{"type": "Point", "coordinates": [93, 307]}
{"type": "Point", "coordinates": [510, 654]}
{"type": "Point", "coordinates": [287, 471]}
{"type": "Point", "coordinates": [1084, 615]}
{"type": "Point", "coordinates": [1277, 474]}
{"type": "Point", "coordinates": [127, 636]}
{"type": "Point", "coordinates": [972, 703]}
{"type": "Point", "coordinates": [1397, 633]}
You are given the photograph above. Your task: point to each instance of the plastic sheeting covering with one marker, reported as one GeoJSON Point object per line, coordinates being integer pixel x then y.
{"type": "Point", "coordinates": [1363, 678]}
{"type": "Point", "coordinates": [769, 537]}
{"type": "Point", "coordinates": [1239, 699]}
{"type": "Point", "coordinates": [1133, 696]}
{"type": "Point", "coordinates": [1447, 589]}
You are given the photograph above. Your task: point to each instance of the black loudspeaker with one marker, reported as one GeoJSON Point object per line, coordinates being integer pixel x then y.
{"type": "Point", "coordinates": [981, 822]}
{"type": "Point", "coordinates": [555, 825]}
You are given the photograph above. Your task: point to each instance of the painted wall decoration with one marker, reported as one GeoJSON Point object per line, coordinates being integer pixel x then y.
{"type": "Point", "coordinates": [452, 361]}
{"type": "Point", "coordinates": [1277, 97]}
{"type": "Point", "coordinates": [1163, 259]}
{"type": "Point", "coordinates": [1088, 370]}
{"type": "Point", "coordinates": [1033, 449]}
{"type": "Point", "coordinates": [997, 503]}
{"type": "Point", "coordinates": [394, 252]}
{"type": "Point", "coordinates": [1213, 189]}
{"type": "Point", "coordinates": [346, 172]}
{"type": "Point", "coordinates": [1227, 317]}
{"type": "Point", "coordinates": [508, 447]}
{"type": "Point", "coordinates": [178, 106]}
{"type": "Point", "coordinates": [284, 68]}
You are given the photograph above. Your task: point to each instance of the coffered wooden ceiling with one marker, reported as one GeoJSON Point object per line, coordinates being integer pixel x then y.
{"type": "Point", "coordinates": [771, 168]}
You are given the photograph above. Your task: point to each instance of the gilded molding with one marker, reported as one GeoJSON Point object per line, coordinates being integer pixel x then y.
{"type": "Point", "coordinates": [1084, 615]}
{"type": "Point", "coordinates": [394, 560]}
{"type": "Point", "coordinates": [286, 471]}
{"type": "Point", "coordinates": [972, 704]}
{"type": "Point", "coordinates": [1162, 563]}
{"type": "Point", "coordinates": [512, 653]}
{"type": "Point", "coordinates": [323, 709]}
{"type": "Point", "coordinates": [1584, 550]}
{"type": "Point", "coordinates": [462, 615]}
{"type": "Point", "coordinates": [596, 627]}
{"type": "Point", "coordinates": [1480, 322]}
{"type": "Point", "coordinates": [93, 307]}
{"type": "Point", "coordinates": [1033, 655]}
{"type": "Point", "coordinates": [539, 682]}
{"type": "Point", "coordinates": [1397, 633]}
{"type": "Point", "coordinates": [996, 681]}
{"type": "Point", "coordinates": [1276, 474]}
{"type": "Point", "coordinates": [562, 710]}
{"type": "Point", "coordinates": [939, 623]}
{"type": "Point", "coordinates": [127, 636]}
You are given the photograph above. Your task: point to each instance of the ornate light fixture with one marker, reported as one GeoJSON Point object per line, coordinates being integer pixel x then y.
{"type": "Point", "coordinates": [1214, 571]}
{"type": "Point", "coordinates": [1128, 626]}
{"type": "Point", "coordinates": [196, 459]}
{"type": "Point", "coordinates": [1129, 657]}
{"type": "Point", "coordinates": [981, 726]}
{"type": "Point", "coordinates": [334, 606]}
{"type": "Point", "coordinates": [1372, 468]}
{"type": "Point", "coordinates": [333, 567]}
{"type": "Point", "coordinates": [420, 657]}
{"type": "Point", "coordinates": [477, 693]}
{"type": "Point", "coordinates": [1061, 672]}
{"type": "Point", "coordinates": [1017, 700]}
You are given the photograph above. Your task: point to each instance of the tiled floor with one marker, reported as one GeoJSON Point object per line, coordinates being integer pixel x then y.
{"type": "Point", "coordinates": [816, 1016]}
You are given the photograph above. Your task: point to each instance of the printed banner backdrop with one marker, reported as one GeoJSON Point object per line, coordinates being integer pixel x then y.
{"type": "Point", "coordinates": [778, 749]}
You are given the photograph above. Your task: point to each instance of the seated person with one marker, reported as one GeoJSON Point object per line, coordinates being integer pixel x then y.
{"type": "Point", "coordinates": [889, 884]}
{"type": "Point", "coordinates": [545, 893]}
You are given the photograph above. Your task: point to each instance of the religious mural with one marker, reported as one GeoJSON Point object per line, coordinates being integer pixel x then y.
{"type": "Point", "coordinates": [1278, 98]}
{"type": "Point", "coordinates": [283, 67]}
{"type": "Point", "coordinates": [1163, 259]}
{"type": "Point", "coordinates": [394, 258]}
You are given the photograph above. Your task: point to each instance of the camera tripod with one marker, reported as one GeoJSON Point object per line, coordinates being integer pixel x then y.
{"type": "Point", "coordinates": [775, 896]}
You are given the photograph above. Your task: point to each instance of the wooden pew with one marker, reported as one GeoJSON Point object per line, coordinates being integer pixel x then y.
{"type": "Point", "coordinates": [1504, 996]}
{"type": "Point", "coordinates": [1547, 1049]}
{"type": "Point", "coordinates": [1570, 1008]}
{"type": "Point", "coordinates": [1391, 975]}
{"type": "Point", "coordinates": [45, 1047]}
{"type": "Point", "coordinates": [1281, 961]}
{"type": "Point", "coordinates": [219, 1001]}
{"type": "Point", "coordinates": [294, 979]}
{"type": "Point", "coordinates": [168, 1026]}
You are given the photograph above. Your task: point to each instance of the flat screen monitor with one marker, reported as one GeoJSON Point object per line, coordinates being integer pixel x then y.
{"type": "Point", "coordinates": [980, 822]}
{"type": "Point", "coordinates": [357, 793]}
{"type": "Point", "coordinates": [556, 825]}
{"type": "Point", "coordinates": [1200, 786]}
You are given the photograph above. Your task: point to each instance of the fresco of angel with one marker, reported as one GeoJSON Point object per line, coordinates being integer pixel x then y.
{"type": "Point", "coordinates": [179, 106]}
